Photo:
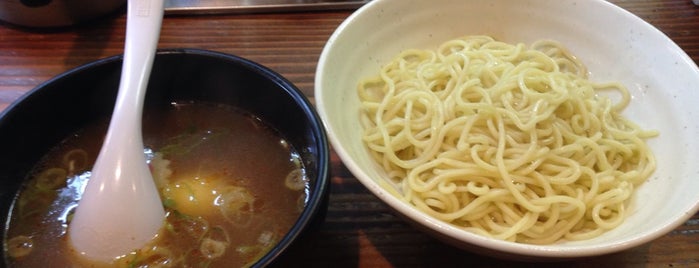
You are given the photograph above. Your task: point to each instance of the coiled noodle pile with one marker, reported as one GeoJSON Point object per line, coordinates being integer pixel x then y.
{"type": "Point", "coordinates": [505, 140]}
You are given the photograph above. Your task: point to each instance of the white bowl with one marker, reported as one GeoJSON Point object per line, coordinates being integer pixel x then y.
{"type": "Point", "coordinates": [613, 43]}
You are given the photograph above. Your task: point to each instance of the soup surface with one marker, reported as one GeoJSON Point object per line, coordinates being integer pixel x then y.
{"type": "Point", "coordinates": [231, 186]}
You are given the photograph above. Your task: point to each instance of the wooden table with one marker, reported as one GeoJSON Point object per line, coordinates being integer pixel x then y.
{"type": "Point", "coordinates": [359, 229]}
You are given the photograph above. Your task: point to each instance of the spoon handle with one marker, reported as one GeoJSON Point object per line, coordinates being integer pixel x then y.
{"type": "Point", "coordinates": [143, 23]}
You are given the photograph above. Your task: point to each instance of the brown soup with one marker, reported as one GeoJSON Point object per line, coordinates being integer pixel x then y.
{"type": "Point", "coordinates": [231, 186]}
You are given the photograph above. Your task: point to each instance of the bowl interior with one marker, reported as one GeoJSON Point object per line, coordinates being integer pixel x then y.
{"type": "Point", "coordinates": [61, 106]}
{"type": "Point", "coordinates": [614, 44]}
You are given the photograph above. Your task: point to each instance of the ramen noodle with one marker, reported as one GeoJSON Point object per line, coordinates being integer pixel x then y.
{"type": "Point", "coordinates": [505, 140]}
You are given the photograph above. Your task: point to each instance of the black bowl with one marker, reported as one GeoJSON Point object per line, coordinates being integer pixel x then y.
{"type": "Point", "coordinates": [46, 115]}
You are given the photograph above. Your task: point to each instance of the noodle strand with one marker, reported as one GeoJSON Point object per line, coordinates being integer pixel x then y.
{"type": "Point", "coordinates": [505, 140]}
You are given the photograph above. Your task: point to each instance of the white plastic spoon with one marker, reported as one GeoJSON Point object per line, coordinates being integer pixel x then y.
{"type": "Point", "coordinates": [121, 210]}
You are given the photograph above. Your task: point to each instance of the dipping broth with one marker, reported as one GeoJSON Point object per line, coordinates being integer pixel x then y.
{"type": "Point", "coordinates": [231, 185]}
